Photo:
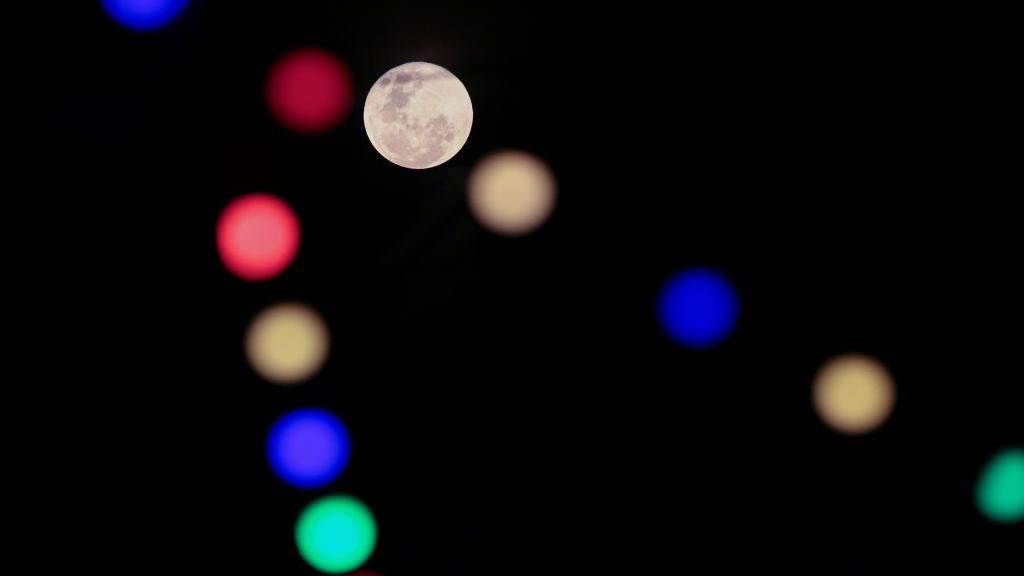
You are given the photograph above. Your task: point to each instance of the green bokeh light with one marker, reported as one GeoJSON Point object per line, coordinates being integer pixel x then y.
{"type": "Point", "coordinates": [336, 534]}
{"type": "Point", "coordinates": [1000, 490]}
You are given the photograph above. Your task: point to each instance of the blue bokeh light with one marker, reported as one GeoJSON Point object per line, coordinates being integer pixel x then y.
{"type": "Point", "coordinates": [144, 15]}
{"type": "Point", "coordinates": [698, 308]}
{"type": "Point", "coordinates": [308, 448]}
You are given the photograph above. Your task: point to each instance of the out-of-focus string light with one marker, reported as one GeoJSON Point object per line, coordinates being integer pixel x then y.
{"type": "Point", "coordinates": [257, 236]}
{"type": "Point", "coordinates": [336, 534]}
{"type": "Point", "coordinates": [144, 15]}
{"type": "Point", "coordinates": [698, 308]}
{"type": "Point", "coordinates": [854, 394]}
{"type": "Point", "coordinates": [287, 343]}
{"type": "Point", "coordinates": [511, 192]}
{"type": "Point", "coordinates": [309, 90]}
{"type": "Point", "coordinates": [308, 448]}
{"type": "Point", "coordinates": [999, 493]}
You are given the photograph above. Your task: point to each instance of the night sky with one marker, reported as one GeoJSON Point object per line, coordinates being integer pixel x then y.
{"type": "Point", "coordinates": [513, 403]}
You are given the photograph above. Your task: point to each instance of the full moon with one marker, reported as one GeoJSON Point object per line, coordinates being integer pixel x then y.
{"type": "Point", "coordinates": [418, 115]}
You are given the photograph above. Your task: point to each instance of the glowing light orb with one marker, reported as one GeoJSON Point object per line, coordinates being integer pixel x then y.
{"type": "Point", "coordinates": [287, 343]}
{"type": "Point", "coordinates": [511, 192]}
{"type": "Point", "coordinates": [308, 448]}
{"type": "Point", "coordinates": [336, 534]}
{"type": "Point", "coordinates": [854, 394]}
{"type": "Point", "coordinates": [698, 308]}
{"type": "Point", "coordinates": [309, 90]}
{"type": "Point", "coordinates": [1000, 490]}
{"type": "Point", "coordinates": [257, 236]}
{"type": "Point", "coordinates": [144, 15]}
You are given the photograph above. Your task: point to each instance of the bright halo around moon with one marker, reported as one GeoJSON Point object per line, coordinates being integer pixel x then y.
{"type": "Point", "coordinates": [511, 192]}
{"type": "Point", "coordinates": [418, 115]}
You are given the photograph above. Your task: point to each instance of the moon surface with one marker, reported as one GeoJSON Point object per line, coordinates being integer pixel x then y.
{"type": "Point", "coordinates": [418, 115]}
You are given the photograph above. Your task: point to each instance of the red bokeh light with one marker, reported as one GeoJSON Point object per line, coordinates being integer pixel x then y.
{"type": "Point", "coordinates": [257, 236]}
{"type": "Point", "coordinates": [309, 90]}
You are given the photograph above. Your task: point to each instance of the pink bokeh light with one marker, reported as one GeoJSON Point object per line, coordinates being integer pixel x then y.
{"type": "Point", "coordinates": [257, 236]}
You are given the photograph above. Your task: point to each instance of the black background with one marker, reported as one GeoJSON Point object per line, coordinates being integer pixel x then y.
{"type": "Point", "coordinates": [513, 404]}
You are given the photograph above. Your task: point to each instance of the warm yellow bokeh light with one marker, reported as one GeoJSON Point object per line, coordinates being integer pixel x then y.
{"type": "Point", "coordinates": [511, 192]}
{"type": "Point", "coordinates": [287, 343]}
{"type": "Point", "coordinates": [854, 394]}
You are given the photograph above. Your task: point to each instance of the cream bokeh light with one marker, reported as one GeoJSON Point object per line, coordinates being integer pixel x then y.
{"type": "Point", "coordinates": [287, 343]}
{"type": "Point", "coordinates": [854, 394]}
{"type": "Point", "coordinates": [511, 192]}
